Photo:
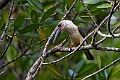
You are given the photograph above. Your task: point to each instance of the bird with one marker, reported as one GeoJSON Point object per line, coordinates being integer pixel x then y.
{"type": "Point", "coordinates": [75, 33]}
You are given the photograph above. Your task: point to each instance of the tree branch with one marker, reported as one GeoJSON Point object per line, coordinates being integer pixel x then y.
{"type": "Point", "coordinates": [22, 54]}
{"type": "Point", "coordinates": [102, 69]}
{"type": "Point", "coordinates": [2, 72]}
{"type": "Point", "coordinates": [70, 9]}
{"type": "Point", "coordinates": [109, 19]}
{"type": "Point", "coordinates": [5, 29]}
{"type": "Point", "coordinates": [93, 21]}
{"type": "Point", "coordinates": [38, 64]}
{"type": "Point", "coordinates": [100, 41]}
{"type": "Point", "coordinates": [87, 47]}
{"type": "Point", "coordinates": [7, 46]}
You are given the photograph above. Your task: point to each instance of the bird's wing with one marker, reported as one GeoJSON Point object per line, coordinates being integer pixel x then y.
{"type": "Point", "coordinates": [83, 33]}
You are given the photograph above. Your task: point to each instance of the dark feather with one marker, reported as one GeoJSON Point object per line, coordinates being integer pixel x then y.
{"type": "Point", "coordinates": [87, 52]}
{"type": "Point", "coordinates": [82, 32]}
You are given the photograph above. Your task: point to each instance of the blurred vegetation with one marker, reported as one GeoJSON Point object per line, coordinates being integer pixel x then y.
{"type": "Point", "coordinates": [34, 20]}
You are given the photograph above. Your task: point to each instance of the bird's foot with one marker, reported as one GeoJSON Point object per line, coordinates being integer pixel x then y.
{"type": "Point", "coordinates": [71, 48]}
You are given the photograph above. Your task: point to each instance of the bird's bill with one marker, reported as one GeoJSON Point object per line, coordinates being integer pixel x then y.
{"type": "Point", "coordinates": [57, 33]}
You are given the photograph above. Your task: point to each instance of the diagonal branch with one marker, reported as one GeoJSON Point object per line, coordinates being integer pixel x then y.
{"type": "Point", "coordinates": [22, 54]}
{"type": "Point", "coordinates": [63, 49]}
{"type": "Point", "coordinates": [106, 19]}
{"type": "Point", "coordinates": [7, 46]}
{"type": "Point", "coordinates": [93, 21]}
{"type": "Point", "coordinates": [70, 9]}
{"type": "Point", "coordinates": [5, 29]}
{"type": "Point", "coordinates": [2, 72]}
{"type": "Point", "coordinates": [102, 69]}
{"type": "Point", "coordinates": [100, 41]}
{"type": "Point", "coordinates": [74, 49]}
{"type": "Point", "coordinates": [38, 64]}
{"type": "Point", "coordinates": [109, 19]}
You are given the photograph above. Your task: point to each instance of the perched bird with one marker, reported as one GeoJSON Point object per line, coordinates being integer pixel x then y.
{"type": "Point", "coordinates": [76, 34]}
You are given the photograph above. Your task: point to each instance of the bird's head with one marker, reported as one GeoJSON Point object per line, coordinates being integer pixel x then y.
{"type": "Point", "coordinates": [63, 25]}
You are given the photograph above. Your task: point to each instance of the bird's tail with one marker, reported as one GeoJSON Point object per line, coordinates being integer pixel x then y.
{"type": "Point", "coordinates": [88, 55]}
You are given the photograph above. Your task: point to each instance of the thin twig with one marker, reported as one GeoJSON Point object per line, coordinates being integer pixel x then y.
{"type": "Point", "coordinates": [75, 16]}
{"type": "Point", "coordinates": [34, 51]}
{"type": "Point", "coordinates": [7, 46]}
{"type": "Point", "coordinates": [5, 29]}
{"type": "Point", "coordinates": [109, 36]}
{"type": "Point", "coordinates": [18, 57]}
{"type": "Point", "coordinates": [40, 42]}
{"type": "Point", "coordinates": [102, 69]}
{"type": "Point", "coordinates": [104, 21]}
{"type": "Point", "coordinates": [93, 21]}
{"type": "Point", "coordinates": [2, 72]}
{"type": "Point", "coordinates": [63, 49]}
{"type": "Point", "coordinates": [70, 9]}
{"type": "Point", "coordinates": [46, 53]}
{"type": "Point", "coordinates": [88, 12]}
{"type": "Point", "coordinates": [14, 59]}
{"type": "Point", "coordinates": [22, 54]}
{"type": "Point", "coordinates": [109, 19]}
{"type": "Point", "coordinates": [38, 64]}
{"type": "Point", "coordinates": [100, 41]}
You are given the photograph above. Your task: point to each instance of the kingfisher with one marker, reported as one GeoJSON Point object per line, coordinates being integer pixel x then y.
{"type": "Point", "coordinates": [75, 33]}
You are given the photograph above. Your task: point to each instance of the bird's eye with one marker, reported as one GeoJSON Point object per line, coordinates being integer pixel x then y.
{"type": "Point", "coordinates": [59, 25]}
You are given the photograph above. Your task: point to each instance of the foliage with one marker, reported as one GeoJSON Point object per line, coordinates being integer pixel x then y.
{"type": "Point", "coordinates": [34, 20]}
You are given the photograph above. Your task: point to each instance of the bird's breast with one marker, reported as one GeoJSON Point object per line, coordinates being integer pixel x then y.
{"type": "Point", "coordinates": [75, 38]}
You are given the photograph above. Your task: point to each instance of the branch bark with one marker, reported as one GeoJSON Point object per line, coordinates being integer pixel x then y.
{"type": "Point", "coordinates": [38, 64]}
{"type": "Point", "coordinates": [5, 29]}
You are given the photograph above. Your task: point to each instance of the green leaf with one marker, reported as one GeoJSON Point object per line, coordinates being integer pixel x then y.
{"type": "Point", "coordinates": [10, 76]}
{"type": "Point", "coordinates": [53, 23]}
{"type": "Point", "coordinates": [48, 21]}
{"type": "Point", "coordinates": [1, 22]}
{"type": "Point", "coordinates": [116, 71]}
{"type": "Point", "coordinates": [4, 15]}
{"type": "Point", "coordinates": [104, 6]}
{"type": "Point", "coordinates": [87, 69]}
{"type": "Point", "coordinates": [80, 20]}
{"type": "Point", "coordinates": [58, 10]}
{"type": "Point", "coordinates": [113, 20]}
{"type": "Point", "coordinates": [96, 12]}
{"type": "Point", "coordinates": [34, 16]}
{"type": "Point", "coordinates": [78, 5]}
{"type": "Point", "coordinates": [48, 13]}
{"type": "Point", "coordinates": [54, 71]}
{"type": "Point", "coordinates": [26, 44]}
{"type": "Point", "coordinates": [64, 62]}
{"type": "Point", "coordinates": [37, 4]}
{"type": "Point", "coordinates": [69, 2]}
{"type": "Point", "coordinates": [91, 1]}
{"type": "Point", "coordinates": [99, 61]}
{"type": "Point", "coordinates": [29, 28]}
{"type": "Point", "coordinates": [18, 22]}
{"type": "Point", "coordinates": [79, 66]}
{"type": "Point", "coordinates": [30, 34]}
{"type": "Point", "coordinates": [30, 9]}
{"type": "Point", "coordinates": [12, 54]}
